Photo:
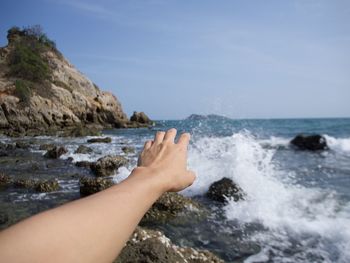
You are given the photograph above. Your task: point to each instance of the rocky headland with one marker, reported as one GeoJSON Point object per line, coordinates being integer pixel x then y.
{"type": "Point", "coordinates": [41, 92]}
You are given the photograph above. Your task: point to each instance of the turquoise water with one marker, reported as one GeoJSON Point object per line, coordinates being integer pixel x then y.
{"type": "Point", "coordinates": [297, 207]}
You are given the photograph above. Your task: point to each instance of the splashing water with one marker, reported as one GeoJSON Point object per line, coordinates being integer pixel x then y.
{"type": "Point", "coordinates": [300, 223]}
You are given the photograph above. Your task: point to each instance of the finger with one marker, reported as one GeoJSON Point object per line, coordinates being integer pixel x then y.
{"type": "Point", "coordinates": [147, 145]}
{"type": "Point", "coordinates": [159, 137]}
{"type": "Point", "coordinates": [170, 135]}
{"type": "Point", "coordinates": [184, 139]}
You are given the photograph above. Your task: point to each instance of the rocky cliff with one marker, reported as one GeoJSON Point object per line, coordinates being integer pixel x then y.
{"type": "Point", "coordinates": [41, 92]}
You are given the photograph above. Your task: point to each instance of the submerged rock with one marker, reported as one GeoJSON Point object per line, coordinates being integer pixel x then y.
{"type": "Point", "coordinates": [151, 246]}
{"type": "Point", "coordinates": [128, 149]}
{"type": "Point", "coordinates": [24, 183]}
{"type": "Point", "coordinates": [55, 152]}
{"type": "Point", "coordinates": [225, 189]}
{"type": "Point", "coordinates": [22, 145]}
{"type": "Point", "coordinates": [107, 165]}
{"type": "Point", "coordinates": [89, 186]}
{"type": "Point", "coordinates": [4, 179]}
{"type": "Point", "coordinates": [82, 131]}
{"type": "Point", "coordinates": [85, 164]}
{"type": "Point", "coordinates": [46, 146]}
{"type": "Point", "coordinates": [314, 142]}
{"type": "Point", "coordinates": [83, 149]}
{"type": "Point", "coordinates": [171, 205]}
{"type": "Point", "coordinates": [100, 140]}
{"type": "Point", "coordinates": [47, 186]}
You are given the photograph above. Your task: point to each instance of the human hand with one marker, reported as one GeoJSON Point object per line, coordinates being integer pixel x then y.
{"type": "Point", "coordinates": [167, 160]}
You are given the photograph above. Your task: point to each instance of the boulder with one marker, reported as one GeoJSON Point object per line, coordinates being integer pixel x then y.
{"type": "Point", "coordinates": [151, 246]}
{"type": "Point", "coordinates": [141, 117]}
{"type": "Point", "coordinates": [55, 152]}
{"type": "Point", "coordinates": [100, 140]}
{"type": "Point", "coordinates": [314, 142]}
{"type": "Point", "coordinates": [47, 186]}
{"type": "Point", "coordinates": [89, 186]}
{"type": "Point", "coordinates": [83, 149]}
{"type": "Point", "coordinates": [128, 149]}
{"type": "Point", "coordinates": [171, 205]}
{"type": "Point", "coordinates": [225, 189]}
{"type": "Point", "coordinates": [107, 165]}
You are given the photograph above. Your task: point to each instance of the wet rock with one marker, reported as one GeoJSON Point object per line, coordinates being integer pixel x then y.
{"type": "Point", "coordinates": [22, 145]}
{"type": "Point", "coordinates": [171, 205]}
{"type": "Point", "coordinates": [82, 131]}
{"type": "Point", "coordinates": [151, 246]}
{"type": "Point", "coordinates": [100, 140]}
{"type": "Point", "coordinates": [140, 117]}
{"type": "Point", "coordinates": [47, 186]}
{"type": "Point", "coordinates": [107, 165]}
{"type": "Point", "coordinates": [25, 183]}
{"type": "Point", "coordinates": [128, 149]}
{"type": "Point", "coordinates": [225, 189]}
{"type": "Point", "coordinates": [4, 179]}
{"type": "Point", "coordinates": [83, 149]}
{"type": "Point", "coordinates": [314, 142]}
{"type": "Point", "coordinates": [46, 146]}
{"type": "Point", "coordinates": [55, 152]}
{"type": "Point", "coordinates": [89, 186]}
{"type": "Point", "coordinates": [85, 164]}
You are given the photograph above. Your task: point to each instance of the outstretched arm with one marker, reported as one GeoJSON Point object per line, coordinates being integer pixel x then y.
{"type": "Point", "coordinates": [95, 228]}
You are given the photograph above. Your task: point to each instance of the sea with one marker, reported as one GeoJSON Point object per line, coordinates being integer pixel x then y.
{"type": "Point", "coordinates": [296, 206]}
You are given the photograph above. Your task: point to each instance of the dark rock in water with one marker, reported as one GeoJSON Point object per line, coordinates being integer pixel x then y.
{"type": "Point", "coordinates": [100, 140]}
{"type": "Point", "coordinates": [141, 117]}
{"type": "Point", "coordinates": [25, 183]}
{"type": "Point", "coordinates": [47, 186]}
{"type": "Point", "coordinates": [223, 189]}
{"type": "Point", "coordinates": [85, 164]}
{"type": "Point", "coordinates": [107, 165]}
{"type": "Point", "coordinates": [314, 142]}
{"type": "Point", "coordinates": [128, 149]}
{"type": "Point", "coordinates": [22, 145]}
{"type": "Point", "coordinates": [4, 179]}
{"type": "Point", "coordinates": [55, 152]}
{"type": "Point", "coordinates": [82, 131]}
{"type": "Point", "coordinates": [4, 218]}
{"type": "Point", "coordinates": [151, 246]}
{"type": "Point", "coordinates": [83, 149]}
{"type": "Point", "coordinates": [46, 146]}
{"type": "Point", "coordinates": [89, 186]}
{"type": "Point", "coordinates": [170, 205]}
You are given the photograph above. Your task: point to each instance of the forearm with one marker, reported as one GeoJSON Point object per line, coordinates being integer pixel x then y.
{"type": "Point", "coordinates": [93, 229]}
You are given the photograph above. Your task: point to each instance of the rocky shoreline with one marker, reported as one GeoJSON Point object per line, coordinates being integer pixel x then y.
{"type": "Point", "coordinates": [31, 173]}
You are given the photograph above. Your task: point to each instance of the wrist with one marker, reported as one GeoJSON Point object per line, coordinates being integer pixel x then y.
{"type": "Point", "coordinates": [150, 177]}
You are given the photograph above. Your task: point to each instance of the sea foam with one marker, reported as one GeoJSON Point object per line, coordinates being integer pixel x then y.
{"type": "Point", "coordinates": [311, 222]}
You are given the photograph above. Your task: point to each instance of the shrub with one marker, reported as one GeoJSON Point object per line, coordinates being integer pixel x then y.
{"type": "Point", "coordinates": [23, 90]}
{"type": "Point", "coordinates": [26, 63]}
{"type": "Point", "coordinates": [26, 59]}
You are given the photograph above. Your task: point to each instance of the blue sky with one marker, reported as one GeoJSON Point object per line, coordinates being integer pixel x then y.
{"type": "Point", "coordinates": [242, 59]}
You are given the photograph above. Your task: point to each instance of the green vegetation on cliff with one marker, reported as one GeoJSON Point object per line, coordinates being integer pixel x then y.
{"type": "Point", "coordinates": [27, 62]}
